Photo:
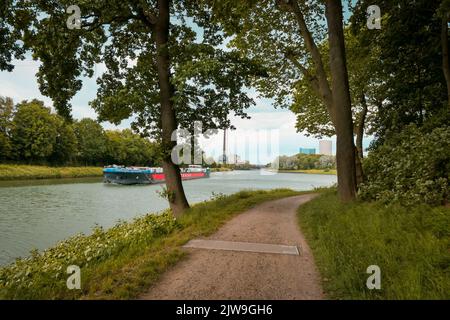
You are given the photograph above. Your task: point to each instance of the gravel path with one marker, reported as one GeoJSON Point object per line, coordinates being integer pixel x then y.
{"type": "Point", "coordinates": [217, 274]}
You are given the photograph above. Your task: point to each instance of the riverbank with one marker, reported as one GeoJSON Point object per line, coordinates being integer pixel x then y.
{"type": "Point", "coordinates": [122, 262]}
{"type": "Point", "coordinates": [28, 172]}
{"type": "Point", "coordinates": [311, 171]}
{"type": "Point", "coordinates": [410, 245]}
{"type": "Point", "coordinates": [221, 169]}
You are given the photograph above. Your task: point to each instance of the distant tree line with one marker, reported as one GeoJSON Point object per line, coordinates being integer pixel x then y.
{"type": "Point", "coordinates": [307, 162]}
{"type": "Point", "coordinates": [30, 133]}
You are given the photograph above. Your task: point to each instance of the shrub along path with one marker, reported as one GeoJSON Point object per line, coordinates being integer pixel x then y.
{"type": "Point", "coordinates": [225, 274]}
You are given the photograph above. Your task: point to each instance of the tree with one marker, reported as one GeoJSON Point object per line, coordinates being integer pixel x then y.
{"type": "Point", "coordinates": [91, 141]}
{"type": "Point", "coordinates": [312, 115]}
{"type": "Point", "coordinates": [34, 131]}
{"type": "Point", "coordinates": [116, 152]}
{"type": "Point", "coordinates": [5, 147]}
{"type": "Point", "coordinates": [327, 162]}
{"type": "Point", "coordinates": [365, 83]}
{"type": "Point", "coordinates": [126, 148]}
{"type": "Point", "coordinates": [284, 35]}
{"type": "Point", "coordinates": [444, 12]}
{"type": "Point", "coordinates": [306, 162]}
{"type": "Point", "coordinates": [65, 148]}
{"type": "Point", "coordinates": [10, 34]}
{"type": "Point", "coordinates": [6, 115]}
{"type": "Point", "coordinates": [413, 88]}
{"type": "Point", "coordinates": [408, 160]}
{"type": "Point", "coordinates": [158, 68]}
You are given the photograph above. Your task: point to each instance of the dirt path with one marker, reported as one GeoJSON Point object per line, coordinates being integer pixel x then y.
{"type": "Point", "coordinates": [218, 274]}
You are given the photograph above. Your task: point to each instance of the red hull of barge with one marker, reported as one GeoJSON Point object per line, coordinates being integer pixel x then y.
{"type": "Point", "coordinates": [160, 177]}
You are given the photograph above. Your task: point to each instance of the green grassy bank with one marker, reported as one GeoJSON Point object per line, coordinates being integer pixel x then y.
{"type": "Point", "coordinates": [311, 171]}
{"type": "Point", "coordinates": [410, 245]}
{"type": "Point", "coordinates": [23, 172]}
{"type": "Point", "coordinates": [220, 169]}
{"type": "Point", "coordinates": [125, 260]}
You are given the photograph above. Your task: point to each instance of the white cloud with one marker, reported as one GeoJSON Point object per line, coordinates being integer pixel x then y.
{"type": "Point", "coordinates": [21, 84]}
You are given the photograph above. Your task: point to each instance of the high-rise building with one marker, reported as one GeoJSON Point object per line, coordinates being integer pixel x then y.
{"type": "Point", "coordinates": [326, 147]}
{"type": "Point", "coordinates": [307, 151]}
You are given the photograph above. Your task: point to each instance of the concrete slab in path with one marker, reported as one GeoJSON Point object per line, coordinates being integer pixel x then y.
{"type": "Point", "coordinates": [241, 246]}
{"type": "Point", "coordinates": [241, 274]}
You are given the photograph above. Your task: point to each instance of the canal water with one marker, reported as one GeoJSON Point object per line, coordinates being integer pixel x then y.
{"type": "Point", "coordinates": [39, 214]}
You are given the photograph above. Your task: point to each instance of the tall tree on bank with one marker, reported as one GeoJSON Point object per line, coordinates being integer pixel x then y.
{"type": "Point", "coordinates": [444, 13]}
{"type": "Point", "coordinates": [158, 68]}
{"type": "Point", "coordinates": [341, 107]}
{"type": "Point", "coordinates": [34, 131]}
{"type": "Point", "coordinates": [6, 116]}
{"type": "Point", "coordinates": [284, 34]}
{"type": "Point", "coordinates": [365, 81]}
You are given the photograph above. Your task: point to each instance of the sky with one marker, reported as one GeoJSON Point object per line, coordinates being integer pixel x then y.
{"type": "Point", "coordinates": [21, 84]}
{"type": "Point", "coordinates": [279, 124]}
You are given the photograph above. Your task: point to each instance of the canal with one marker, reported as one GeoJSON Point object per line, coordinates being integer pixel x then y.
{"type": "Point", "coordinates": [38, 214]}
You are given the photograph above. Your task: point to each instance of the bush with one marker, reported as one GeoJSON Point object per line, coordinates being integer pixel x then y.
{"type": "Point", "coordinates": [40, 269]}
{"type": "Point", "coordinates": [411, 168]}
{"type": "Point", "coordinates": [307, 162]}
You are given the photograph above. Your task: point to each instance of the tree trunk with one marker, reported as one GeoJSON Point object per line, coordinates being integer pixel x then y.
{"type": "Point", "coordinates": [445, 57]}
{"type": "Point", "coordinates": [176, 196]}
{"type": "Point", "coordinates": [359, 169]}
{"type": "Point", "coordinates": [359, 141]}
{"type": "Point", "coordinates": [360, 127]}
{"type": "Point", "coordinates": [345, 149]}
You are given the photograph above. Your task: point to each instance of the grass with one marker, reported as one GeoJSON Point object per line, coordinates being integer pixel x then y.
{"type": "Point", "coordinates": [17, 172]}
{"type": "Point", "coordinates": [124, 261]}
{"type": "Point", "coordinates": [312, 171]}
{"type": "Point", "coordinates": [410, 245]}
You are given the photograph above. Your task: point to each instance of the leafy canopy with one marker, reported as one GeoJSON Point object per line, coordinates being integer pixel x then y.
{"type": "Point", "coordinates": [34, 131]}
{"type": "Point", "coordinates": [409, 60]}
{"type": "Point", "coordinates": [208, 81]}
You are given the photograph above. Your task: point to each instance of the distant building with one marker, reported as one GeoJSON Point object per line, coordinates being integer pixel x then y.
{"type": "Point", "coordinates": [326, 147]}
{"type": "Point", "coordinates": [230, 159]}
{"type": "Point", "coordinates": [234, 159]}
{"type": "Point", "coordinates": [307, 151]}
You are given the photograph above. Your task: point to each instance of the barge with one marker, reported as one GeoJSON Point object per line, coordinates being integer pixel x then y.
{"type": "Point", "coordinates": [148, 175]}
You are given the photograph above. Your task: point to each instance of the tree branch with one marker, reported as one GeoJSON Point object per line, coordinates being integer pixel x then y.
{"type": "Point", "coordinates": [97, 22]}
{"type": "Point", "coordinates": [311, 78]}
{"type": "Point", "coordinates": [322, 80]}
{"type": "Point", "coordinates": [151, 18]}
{"type": "Point", "coordinates": [146, 14]}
